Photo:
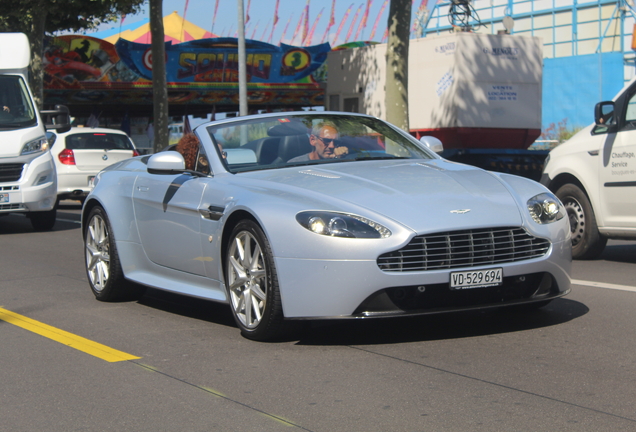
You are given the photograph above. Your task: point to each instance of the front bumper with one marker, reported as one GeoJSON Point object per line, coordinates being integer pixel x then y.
{"type": "Point", "coordinates": [323, 289]}
{"type": "Point", "coordinates": [36, 190]}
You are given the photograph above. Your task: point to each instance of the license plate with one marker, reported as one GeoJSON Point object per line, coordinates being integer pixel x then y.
{"type": "Point", "coordinates": [476, 279]}
{"type": "Point", "coordinates": [4, 197]}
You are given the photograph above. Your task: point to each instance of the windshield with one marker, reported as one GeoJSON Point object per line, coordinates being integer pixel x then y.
{"type": "Point", "coordinates": [272, 142]}
{"type": "Point", "coordinates": [16, 109]}
{"type": "Point", "coordinates": [98, 141]}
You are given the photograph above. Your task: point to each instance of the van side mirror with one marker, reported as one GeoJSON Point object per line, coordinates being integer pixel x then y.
{"type": "Point", "coordinates": [604, 114]}
{"type": "Point", "coordinates": [58, 119]}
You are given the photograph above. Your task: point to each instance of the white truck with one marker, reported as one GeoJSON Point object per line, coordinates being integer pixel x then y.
{"type": "Point", "coordinates": [28, 182]}
{"type": "Point", "coordinates": [594, 175]}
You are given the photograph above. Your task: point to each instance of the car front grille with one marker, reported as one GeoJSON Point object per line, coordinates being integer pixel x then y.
{"type": "Point", "coordinates": [467, 248]}
{"type": "Point", "coordinates": [10, 172]}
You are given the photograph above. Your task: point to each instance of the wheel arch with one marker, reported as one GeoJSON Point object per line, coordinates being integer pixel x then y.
{"type": "Point", "coordinates": [86, 210]}
{"type": "Point", "coordinates": [566, 178]}
{"type": "Point", "coordinates": [232, 220]}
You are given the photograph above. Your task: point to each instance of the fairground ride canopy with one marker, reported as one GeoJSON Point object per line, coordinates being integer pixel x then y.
{"type": "Point", "coordinates": [91, 75]}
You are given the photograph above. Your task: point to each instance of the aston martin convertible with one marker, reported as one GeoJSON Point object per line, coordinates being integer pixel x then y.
{"type": "Point", "coordinates": [290, 217]}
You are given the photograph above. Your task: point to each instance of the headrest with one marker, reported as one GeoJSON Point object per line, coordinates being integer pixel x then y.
{"type": "Point", "coordinates": [290, 127]}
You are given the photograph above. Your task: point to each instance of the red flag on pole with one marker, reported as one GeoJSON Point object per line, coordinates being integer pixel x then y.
{"type": "Point", "coordinates": [275, 21]}
{"type": "Point", "coordinates": [363, 21]}
{"type": "Point", "coordinates": [216, 8]}
{"type": "Point", "coordinates": [306, 22]}
{"type": "Point", "coordinates": [286, 26]}
{"type": "Point", "coordinates": [377, 20]}
{"type": "Point", "coordinates": [332, 21]}
{"type": "Point", "coordinates": [300, 23]}
{"type": "Point", "coordinates": [310, 36]}
{"type": "Point", "coordinates": [355, 18]}
{"type": "Point", "coordinates": [342, 23]}
{"type": "Point", "coordinates": [185, 9]}
{"type": "Point", "coordinates": [247, 11]}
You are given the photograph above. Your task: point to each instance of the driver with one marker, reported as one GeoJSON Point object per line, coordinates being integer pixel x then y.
{"type": "Point", "coordinates": [324, 138]}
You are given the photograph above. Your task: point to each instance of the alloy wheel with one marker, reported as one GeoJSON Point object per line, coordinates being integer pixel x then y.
{"type": "Point", "coordinates": [247, 277]}
{"type": "Point", "coordinates": [98, 253]}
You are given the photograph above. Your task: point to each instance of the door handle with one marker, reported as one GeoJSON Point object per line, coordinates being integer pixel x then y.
{"type": "Point", "coordinates": [593, 152]}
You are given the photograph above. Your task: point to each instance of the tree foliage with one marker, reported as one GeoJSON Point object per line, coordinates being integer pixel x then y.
{"type": "Point", "coordinates": [35, 18]}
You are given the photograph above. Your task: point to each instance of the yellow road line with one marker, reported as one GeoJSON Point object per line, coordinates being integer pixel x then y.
{"type": "Point", "coordinates": [69, 339]}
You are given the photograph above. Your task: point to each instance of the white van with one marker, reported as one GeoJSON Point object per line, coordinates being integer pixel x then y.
{"type": "Point", "coordinates": [594, 174]}
{"type": "Point", "coordinates": [27, 173]}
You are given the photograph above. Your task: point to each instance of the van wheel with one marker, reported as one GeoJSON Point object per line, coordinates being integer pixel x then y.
{"type": "Point", "coordinates": [43, 221]}
{"type": "Point", "coordinates": [587, 241]}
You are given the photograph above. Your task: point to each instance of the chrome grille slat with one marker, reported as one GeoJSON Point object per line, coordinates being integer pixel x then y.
{"type": "Point", "coordinates": [467, 248]}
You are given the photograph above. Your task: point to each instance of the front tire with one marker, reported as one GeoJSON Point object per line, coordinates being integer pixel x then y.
{"type": "Point", "coordinates": [587, 241]}
{"type": "Point", "coordinates": [103, 268]}
{"type": "Point", "coordinates": [44, 220]}
{"type": "Point", "coordinates": [252, 283]}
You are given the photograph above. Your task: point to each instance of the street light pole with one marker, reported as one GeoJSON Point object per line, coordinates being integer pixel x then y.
{"type": "Point", "coordinates": [242, 69]}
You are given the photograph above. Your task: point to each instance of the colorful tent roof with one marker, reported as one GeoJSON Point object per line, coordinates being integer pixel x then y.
{"type": "Point", "coordinates": [176, 29]}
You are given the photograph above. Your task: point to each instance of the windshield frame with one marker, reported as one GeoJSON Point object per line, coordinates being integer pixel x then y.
{"type": "Point", "coordinates": [376, 128]}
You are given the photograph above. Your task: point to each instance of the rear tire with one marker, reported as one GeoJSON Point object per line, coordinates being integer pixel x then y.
{"type": "Point", "coordinates": [103, 268]}
{"type": "Point", "coordinates": [587, 241]}
{"type": "Point", "coordinates": [43, 221]}
{"type": "Point", "coordinates": [252, 284]}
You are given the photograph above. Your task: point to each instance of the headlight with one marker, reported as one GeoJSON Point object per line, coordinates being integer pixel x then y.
{"type": "Point", "coordinates": [39, 145]}
{"type": "Point", "coordinates": [545, 208]}
{"type": "Point", "coordinates": [341, 225]}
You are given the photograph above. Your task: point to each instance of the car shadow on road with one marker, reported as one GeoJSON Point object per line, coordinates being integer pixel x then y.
{"type": "Point", "coordinates": [204, 310]}
{"type": "Point", "coordinates": [442, 326]}
{"type": "Point", "coordinates": [622, 253]}
{"type": "Point", "coordinates": [383, 330]}
{"type": "Point", "coordinates": [20, 224]}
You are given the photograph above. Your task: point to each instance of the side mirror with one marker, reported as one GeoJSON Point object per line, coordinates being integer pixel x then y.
{"type": "Point", "coordinates": [166, 163]}
{"type": "Point", "coordinates": [432, 143]}
{"type": "Point", "coordinates": [58, 119]}
{"type": "Point", "coordinates": [604, 114]}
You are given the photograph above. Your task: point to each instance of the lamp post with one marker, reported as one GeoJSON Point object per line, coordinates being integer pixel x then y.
{"type": "Point", "coordinates": [242, 69]}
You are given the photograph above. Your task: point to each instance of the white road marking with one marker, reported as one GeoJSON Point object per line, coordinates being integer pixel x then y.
{"type": "Point", "coordinates": [604, 285]}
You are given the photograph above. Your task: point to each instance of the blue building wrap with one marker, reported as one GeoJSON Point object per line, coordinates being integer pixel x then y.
{"type": "Point", "coordinates": [573, 85]}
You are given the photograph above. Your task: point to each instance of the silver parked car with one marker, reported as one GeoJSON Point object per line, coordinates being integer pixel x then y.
{"type": "Point", "coordinates": [318, 215]}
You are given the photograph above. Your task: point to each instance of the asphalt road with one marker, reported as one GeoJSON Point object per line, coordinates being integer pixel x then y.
{"type": "Point", "coordinates": [567, 367]}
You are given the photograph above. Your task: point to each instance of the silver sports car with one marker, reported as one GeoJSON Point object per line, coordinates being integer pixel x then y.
{"type": "Point", "coordinates": [318, 215]}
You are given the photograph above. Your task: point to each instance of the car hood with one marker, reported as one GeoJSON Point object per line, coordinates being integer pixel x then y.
{"type": "Point", "coordinates": [426, 196]}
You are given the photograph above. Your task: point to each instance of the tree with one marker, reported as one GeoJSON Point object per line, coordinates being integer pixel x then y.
{"type": "Point", "coordinates": [37, 17]}
{"type": "Point", "coordinates": [159, 86]}
{"type": "Point", "coordinates": [397, 64]}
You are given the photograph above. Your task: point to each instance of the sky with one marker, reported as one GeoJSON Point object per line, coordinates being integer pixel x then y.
{"type": "Point", "coordinates": [261, 17]}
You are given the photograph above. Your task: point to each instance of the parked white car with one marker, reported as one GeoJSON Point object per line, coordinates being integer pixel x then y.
{"type": "Point", "coordinates": [594, 175]}
{"type": "Point", "coordinates": [83, 152]}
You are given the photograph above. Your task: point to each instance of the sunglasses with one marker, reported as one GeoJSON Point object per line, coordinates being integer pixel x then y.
{"type": "Point", "coordinates": [327, 141]}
